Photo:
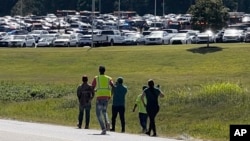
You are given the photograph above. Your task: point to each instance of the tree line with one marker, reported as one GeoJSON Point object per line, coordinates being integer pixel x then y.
{"type": "Point", "coordinates": [42, 7]}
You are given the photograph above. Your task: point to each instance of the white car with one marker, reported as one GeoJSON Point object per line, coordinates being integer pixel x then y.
{"type": "Point", "coordinates": [38, 33]}
{"type": "Point", "coordinates": [181, 38]}
{"type": "Point", "coordinates": [85, 40]}
{"type": "Point", "coordinates": [205, 37]}
{"type": "Point", "coordinates": [45, 42]}
{"type": "Point", "coordinates": [22, 41]}
{"type": "Point", "coordinates": [157, 37]}
{"type": "Point", "coordinates": [232, 35]}
{"type": "Point", "coordinates": [66, 40]}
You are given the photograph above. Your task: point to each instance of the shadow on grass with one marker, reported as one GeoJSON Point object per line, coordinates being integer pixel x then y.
{"type": "Point", "coordinates": [205, 49]}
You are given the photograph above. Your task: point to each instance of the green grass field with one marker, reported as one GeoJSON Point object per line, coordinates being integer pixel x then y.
{"type": "Point", "coordinates": [206, 89]}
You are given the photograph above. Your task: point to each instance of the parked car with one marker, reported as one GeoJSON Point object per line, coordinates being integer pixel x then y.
{"type": "Point", "coordinates": [181, 38]}
{"type": "Point", "coordinates": [204, 37]}
{"type": "Point", "coordinates": [132, 39]}
{"type": "Point", "coordinates": [46, 40]}
{"type": "Point", "coordinates": [5, 41]}
{"type": "Point", "coordinates": [38, 33]}
{"type": "Point", "coordinates": [247, 37]}
{"type": "Point", "coordinates": [157, 37]}
{"type": "Point", "coordinates": [85, 40]}
{"type": "Point", "coordinates": [218, 36]}
{"type": "Point", "coordinates": [66, 40]}
{"type": "Point", "coordinates": [232, 35]}
{"type": "Point", "coordinates": [22, 41]}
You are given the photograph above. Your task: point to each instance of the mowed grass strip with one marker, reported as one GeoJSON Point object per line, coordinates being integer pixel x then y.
{"type": "Point", "coordinates": [206, 89]}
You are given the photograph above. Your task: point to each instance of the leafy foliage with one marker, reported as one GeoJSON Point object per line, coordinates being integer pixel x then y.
{"type": "Point", "coordinates": [43, 7]}
{"type": "Point", "coordinates": [209, 14]}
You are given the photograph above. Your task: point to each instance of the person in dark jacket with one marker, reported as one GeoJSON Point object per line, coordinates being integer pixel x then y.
{"type": "Point", "coordinates": [118, 106]}
{"type": "Point", "coordinates": [152, 106]}
{"type": "Point", "coordinates": [85, 94]}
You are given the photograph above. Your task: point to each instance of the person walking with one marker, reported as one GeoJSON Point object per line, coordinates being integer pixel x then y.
{"type": "Point", "coordinates": [85, 94]}
{"type": "Point", "coordinates": [118, 105]}
{"type": "Point", "coordinates": [143, 116]}
{"type": "Point", "coordinates": [103, 85]}
{"type": "Point", "coordinates": [152, 107]}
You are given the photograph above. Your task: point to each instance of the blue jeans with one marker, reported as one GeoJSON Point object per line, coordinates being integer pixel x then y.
{"type": "Point", "coordinates": [143, 120]}
{"type": "Point", "coordinates": [101, 112]}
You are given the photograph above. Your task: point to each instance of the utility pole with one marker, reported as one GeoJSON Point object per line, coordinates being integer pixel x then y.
{"type": "Point", "coordinates": [21, 7]}
{"type": "Point", "coordinates": [163, 7]}
{"type": "Point", "coordinates": [93, 17]}
{"type": "Point", "coordinates": [155, 15]}
{"type": "Point", "coordinates": [119, 14]}
{"type": "Point", "coordinates": [100, 6]}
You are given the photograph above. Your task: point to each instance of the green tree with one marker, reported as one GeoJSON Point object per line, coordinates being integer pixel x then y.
{"type": "Point", "coordinates": [6, 6]}
{"type": "Point", "coordinates": [209, 14]}
{"type": "Point", "coordinates": [231, 4]}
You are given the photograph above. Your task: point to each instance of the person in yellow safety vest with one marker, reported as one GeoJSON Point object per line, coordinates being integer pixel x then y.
{"type": "Point", "coordinates": [103, 86]}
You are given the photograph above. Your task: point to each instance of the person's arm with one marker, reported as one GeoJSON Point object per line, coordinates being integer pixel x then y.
{"type": "Point", "coordinates": [78, 93]}
{"type": "Point", "coordinates": [94, 83]}
{"type": "Point", "coordinates": [92, 92]}
{"type": "Point", "coordinates": [161, 94]}
{"type": "Point", "coordinates": [134, 107]}
{"type": "Point", "coordinates": [142, 99]}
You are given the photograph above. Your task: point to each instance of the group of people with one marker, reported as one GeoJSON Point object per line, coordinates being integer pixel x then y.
{"type": "Point", "coordinates": [103, 89]}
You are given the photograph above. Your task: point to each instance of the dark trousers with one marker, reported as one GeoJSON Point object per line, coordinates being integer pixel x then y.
{"type": "Point", "coordinates": [81, 114]}
{"type": "Point", "coordinates": [143, 120]}
{"type": "Point", "coordinates": [121, 111]}
{"type": "Point", "coordinates": [152, 112]}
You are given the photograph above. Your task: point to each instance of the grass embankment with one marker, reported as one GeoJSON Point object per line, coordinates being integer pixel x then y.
{"type": "Point", "coordinates": [206, 89]}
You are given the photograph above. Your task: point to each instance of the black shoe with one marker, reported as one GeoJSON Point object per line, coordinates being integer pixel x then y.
{"type": "Point", "coordinates": [86, 127]}
{"type": "Point", "coordinates": [148, 133]}
{"type": "Point", "coordinates": [123, 131]}
{"type": "Point", "coordinates": [154, 135]}
{"type": "Point", "coordinates": [79, 126]}
{"type": "Point", "coordinates": [112, 130]}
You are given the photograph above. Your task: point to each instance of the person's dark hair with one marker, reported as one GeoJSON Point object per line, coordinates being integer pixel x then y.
{"type": "Point", "coordinates": [120, 80]}
{"type": "Point", "coordinates": [150, 83]}
{"type": "Point", "coordinates": [84, 78]}
{"type": "Point", "coordinates": [144, 87]}
{"type": "Point", "coordinates": [101, 69]}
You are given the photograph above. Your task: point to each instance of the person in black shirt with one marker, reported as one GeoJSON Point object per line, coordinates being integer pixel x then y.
{"type": "Point", "coordinates": [152, 107]}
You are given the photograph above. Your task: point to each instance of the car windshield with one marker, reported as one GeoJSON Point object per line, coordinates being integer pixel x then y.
{"type": "Point", "coordinates": [42, 40]}
{"type": "Point", "coordinates": [19, 37]}
{"type": "Point", "coordinates": [35, 32]}
{"type": "Point", "coordinates": [156, 33]}
{"type": "Point", "coordinates": [231, 31]}
{"type": "Point", "coordinates": [181, 35]}
{"type": "Point", "coordinates": [48, 36]}
{"type": "Point", "coordinates": [63, 37]}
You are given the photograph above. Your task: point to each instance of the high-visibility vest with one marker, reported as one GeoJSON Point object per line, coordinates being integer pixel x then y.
{"type": "Point", "coordinates": [102, 86]}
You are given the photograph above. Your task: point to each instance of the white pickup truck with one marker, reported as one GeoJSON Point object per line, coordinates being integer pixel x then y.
{"type": "Point", "coordinates": [108, 37]}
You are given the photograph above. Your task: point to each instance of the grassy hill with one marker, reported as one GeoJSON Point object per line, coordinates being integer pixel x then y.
{"type": "Point", "coordinates": [206, 89]}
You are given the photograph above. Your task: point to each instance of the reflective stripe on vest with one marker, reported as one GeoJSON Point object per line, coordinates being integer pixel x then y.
{"type": "Point", "coordinates": [102, 86]}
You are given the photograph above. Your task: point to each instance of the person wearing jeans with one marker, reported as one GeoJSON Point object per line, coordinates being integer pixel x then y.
{"type": "Point", "coordinates": [103, 86]}
{"type": "Point", "coordinates": [143, 116]}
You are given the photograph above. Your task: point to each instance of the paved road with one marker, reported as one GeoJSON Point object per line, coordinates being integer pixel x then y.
{"type": "Point", "coordinates": [24, 131]}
